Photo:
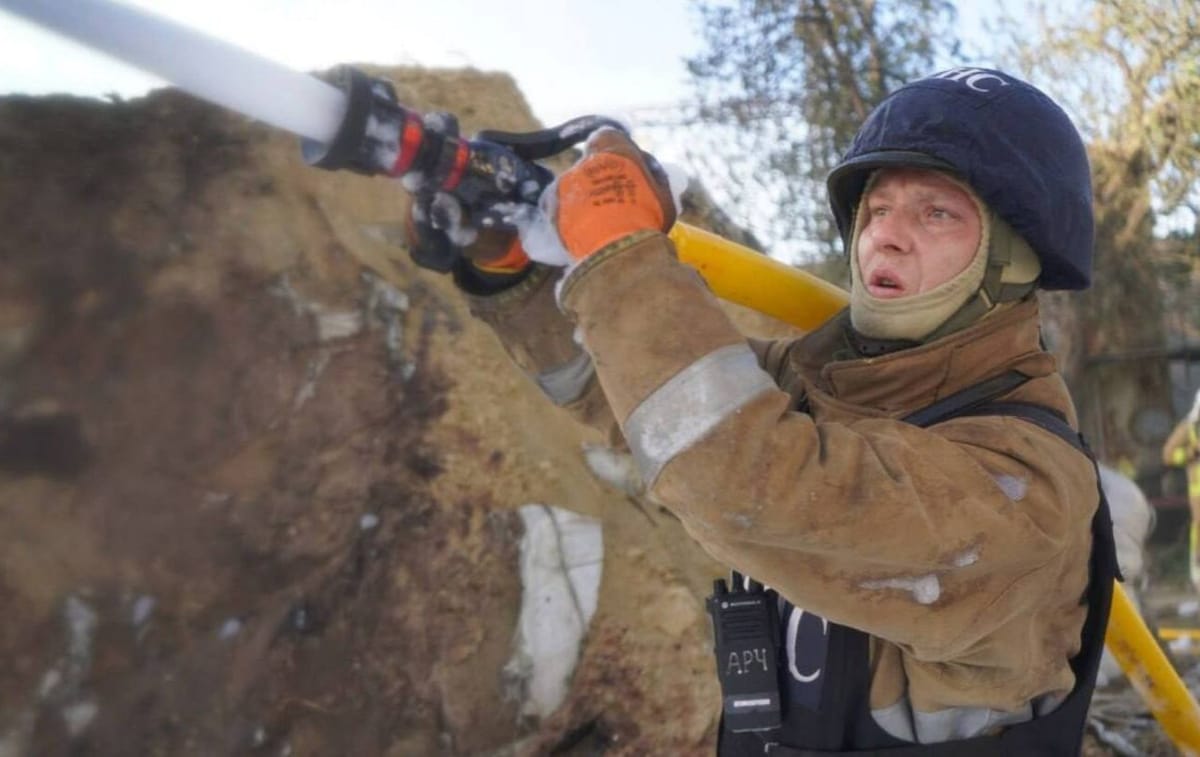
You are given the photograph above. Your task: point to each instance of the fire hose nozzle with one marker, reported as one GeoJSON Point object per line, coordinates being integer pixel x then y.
{"type": "Point", "coordinates": [379, 136]}
{"type": "Point", "coordinates": [368, 140]}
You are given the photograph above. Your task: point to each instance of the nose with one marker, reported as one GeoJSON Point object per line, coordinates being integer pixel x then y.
{"type": "Point", "coordinates": [891, 231]}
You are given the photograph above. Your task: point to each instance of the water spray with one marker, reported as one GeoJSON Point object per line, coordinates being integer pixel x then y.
{"type": "Point", "coordinates": [205, 66]}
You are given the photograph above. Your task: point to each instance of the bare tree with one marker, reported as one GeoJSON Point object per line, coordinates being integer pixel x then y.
{"type": "Point", "coordinates": [783, 85]}
{"type": "Point", "coordinates": [1134, 85]}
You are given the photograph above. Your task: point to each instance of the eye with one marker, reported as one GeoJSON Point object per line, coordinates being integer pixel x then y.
{"type": "Point", "coordinates": [939, 213]}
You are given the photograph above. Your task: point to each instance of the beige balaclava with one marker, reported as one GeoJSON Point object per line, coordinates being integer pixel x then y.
{"type": "Point", "coordinates": [1004, 269]}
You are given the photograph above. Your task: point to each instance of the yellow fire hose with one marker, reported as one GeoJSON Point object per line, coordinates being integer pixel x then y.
{"type": "Point", "coordinates": [1150, 672]}
{"type": "Point", "coordinates": [741, 275]}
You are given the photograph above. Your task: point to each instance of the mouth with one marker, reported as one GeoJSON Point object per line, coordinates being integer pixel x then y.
{"type": "Point", "coordinates": [884, 285]}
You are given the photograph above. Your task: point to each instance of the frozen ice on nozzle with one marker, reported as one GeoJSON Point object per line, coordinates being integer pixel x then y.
{"type": "Point", "coordinates": [678, 179]}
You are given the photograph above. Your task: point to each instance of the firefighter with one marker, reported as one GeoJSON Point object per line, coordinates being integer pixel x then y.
{"type": "Point", "coordinates": [1182, 450]}
{"type": "Point", "coordinates": [907, 479]}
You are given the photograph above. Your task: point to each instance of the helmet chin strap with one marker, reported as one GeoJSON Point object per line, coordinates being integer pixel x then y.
{"type": "Point", "coordinates": [1011, 275]}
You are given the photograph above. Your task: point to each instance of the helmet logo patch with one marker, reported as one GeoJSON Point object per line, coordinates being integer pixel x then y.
{"type": "Point", "coordinates": [977, 79]}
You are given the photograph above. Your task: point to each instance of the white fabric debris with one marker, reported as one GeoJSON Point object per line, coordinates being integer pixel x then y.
{"type": "Point", "coordinates": [562, 556]}
{"type": "Point", "coordinates": [741, 520]}
{"type": "Point", "coordinates": [312, 375]}
{"type": "Point", "coordinates": [966, 559]}
{"type": "Point", "coordinates": [1015, 488]}
{"type": "Point", "coordinates": [60, 683]}
{"type": "Point", "coordinates": [925, 589]}
{"type": "Point", "coordinates": [81, 626]}
{"type": "Point", "coordinates": [331, 325]}
{"type": "Point", "coordinates": [386, 306]}
{"type": "Point", "coordinates": [613, 467]}
{"type": "Point", "coordinates": [81, 621]}
{"type": "Point", "coordinates": [230, 628]}
{"type": "Point", "coordinates": [50, 682]}
{"type": "Point", "coordinates": [143, 608]}
{"type": "Point", "coordinates": [383, 299]}
{"type": "Point", "coordinates": [283, 289]}
{"type": "Point", "coordinates": [1132, 519]}
{"type": "Point", "coordinates": [79, 716]}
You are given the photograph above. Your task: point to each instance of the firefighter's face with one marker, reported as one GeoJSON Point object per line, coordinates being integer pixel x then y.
{"type": "Point", "coordinates": [922, 230]}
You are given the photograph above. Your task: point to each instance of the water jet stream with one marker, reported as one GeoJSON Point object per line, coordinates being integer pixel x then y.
{"type": "Point", "coordinates": [205, 66]}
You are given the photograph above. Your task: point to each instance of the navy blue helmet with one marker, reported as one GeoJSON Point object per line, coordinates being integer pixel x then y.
{"type": "Point", "coordinates": [1006, 139]}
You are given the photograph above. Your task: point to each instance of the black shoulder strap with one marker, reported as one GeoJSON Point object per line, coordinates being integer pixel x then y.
{"type": "Point", "coordinates": [1039, 415]}
{"type": "Point", "coordinates": [961, 403]}
{"type": "Point", "coordinates": [977, 400]}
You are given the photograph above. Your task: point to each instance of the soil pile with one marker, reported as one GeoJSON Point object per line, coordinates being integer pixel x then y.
{"type": "Point", "coordinates": [260, 475]}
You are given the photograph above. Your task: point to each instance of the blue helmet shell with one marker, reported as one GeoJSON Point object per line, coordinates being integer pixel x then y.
{"type": "Point", "coordinates": [1006, 139]}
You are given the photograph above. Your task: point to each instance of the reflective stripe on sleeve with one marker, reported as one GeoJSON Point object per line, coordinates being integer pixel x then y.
{"type": "Point", "coordinates": [565, 384]}
{"type": "Point", "coordinates": [685, 409]}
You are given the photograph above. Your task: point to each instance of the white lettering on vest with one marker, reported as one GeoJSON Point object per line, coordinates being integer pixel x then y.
{"type": "Point", "coordinates": [792, 627]}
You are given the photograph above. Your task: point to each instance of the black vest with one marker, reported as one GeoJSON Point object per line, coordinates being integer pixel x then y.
{"type": "Point", "coordinates": [836, 718]}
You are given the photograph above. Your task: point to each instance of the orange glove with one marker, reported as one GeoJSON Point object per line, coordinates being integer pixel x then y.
{"type": "Point", "coordinates": [612, 192]}
{"type": "Point", "coordinates": [440, 238]}
{"type": "Point", "coordinates": [497, 252]}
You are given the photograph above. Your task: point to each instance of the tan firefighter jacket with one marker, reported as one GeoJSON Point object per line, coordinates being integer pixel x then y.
{"type": "Point", "coordinates": [962, 549]}
{"type": "Point", "coordinates": [1182, 450]}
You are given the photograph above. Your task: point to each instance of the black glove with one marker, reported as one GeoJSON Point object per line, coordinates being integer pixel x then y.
{"type": "Point", "coordinates": [442, 238]}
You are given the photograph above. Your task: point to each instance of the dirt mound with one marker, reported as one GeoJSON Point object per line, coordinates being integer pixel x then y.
{"type": "Point", "coordinates": [259, 475]}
